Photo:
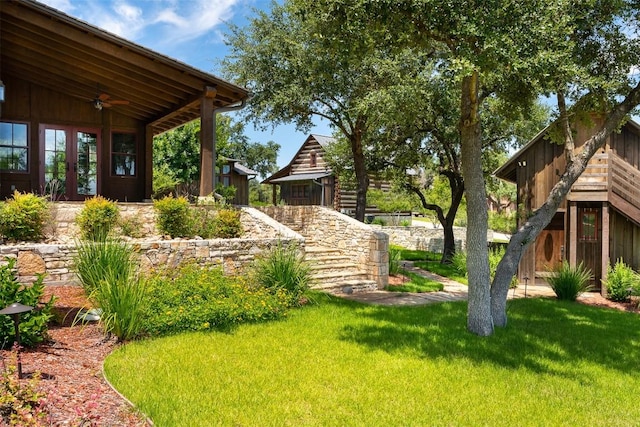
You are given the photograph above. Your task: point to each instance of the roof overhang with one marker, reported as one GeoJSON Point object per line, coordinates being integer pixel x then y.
{"type": "Point", "coordinates": [301, 177]}
{"type": "Point", "coordinates": [51, 49]}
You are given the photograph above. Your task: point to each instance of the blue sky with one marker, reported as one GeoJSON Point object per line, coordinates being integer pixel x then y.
{"type": "Point", "coordinates": [191, 31]}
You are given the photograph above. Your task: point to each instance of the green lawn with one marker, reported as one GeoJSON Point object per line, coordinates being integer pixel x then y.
{"type": "Point", "coordinates": [415, 283]}
{"type": "Point", "coordinates": [341, 363]}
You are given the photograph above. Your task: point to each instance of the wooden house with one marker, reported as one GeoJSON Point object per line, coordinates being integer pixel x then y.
{"type": "Point", "coordinates": [599, 221]}
{"type": "Point", "coordinates": [80, 107]}
{"type": "Point", "coordinates": [235, 174]}
{"type": "Point", "coordinates": [309, 180]}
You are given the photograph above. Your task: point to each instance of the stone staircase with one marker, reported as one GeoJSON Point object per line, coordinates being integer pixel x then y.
{"type": "Point", "coordinates": [331, 271]}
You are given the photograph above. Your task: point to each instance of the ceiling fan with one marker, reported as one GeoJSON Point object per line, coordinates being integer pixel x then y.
{"type": "Point", "coordinates": [104, 100]}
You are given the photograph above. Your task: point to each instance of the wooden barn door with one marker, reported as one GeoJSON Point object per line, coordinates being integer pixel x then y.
{"type": "Point", "coordinates": [589, 250]}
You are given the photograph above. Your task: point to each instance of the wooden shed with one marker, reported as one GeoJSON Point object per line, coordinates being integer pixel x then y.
{"type": "Point", "coordinates": [599, 221]}
{"type": "Point", "coordinates": [234, 174]}
{"type": "Point", "coordinates": [81, 107]}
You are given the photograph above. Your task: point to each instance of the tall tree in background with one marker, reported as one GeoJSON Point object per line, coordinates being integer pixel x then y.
{"type": "Point", "coordinates": [515, 52]}
{"type": "Point", "coordinates": [295, 77]}
{"type": "Point", "coordinates": [176, 153]}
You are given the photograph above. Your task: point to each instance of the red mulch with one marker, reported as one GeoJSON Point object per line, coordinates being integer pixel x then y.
{"type": "Point", "coordinates": [70, 363]}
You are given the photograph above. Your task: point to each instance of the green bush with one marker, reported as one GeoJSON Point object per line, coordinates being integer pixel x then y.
{"type": "Point", "coordinates": [21, 402]}
{"type": "Point", "coordinates": [283, 267]}
{"type": "Point", "coordinates": [33, 324]}
{"type": "Point", "coordinates": [502, 223]}
{"type": "Point", "coordinates": [107, 269]}
{"type": "Point", "coordinates": [622, 282]}
{"type": "Point", "coordinates": [459, 263]}
{"type": "Point", "coordinates": [23, 217]}
{"type": "Point", "coordinates": [226, 224]}
{"type": "Point", "coordinates": [569, 282]}
{"type": "Point", "coordinates": [131, 226]}
{"type": "Point", "coordinates": [174, 217]}
{"type": "Point", "coordinates": [97, 218]}
{"type": "Point", "coordinates": [200, 298]}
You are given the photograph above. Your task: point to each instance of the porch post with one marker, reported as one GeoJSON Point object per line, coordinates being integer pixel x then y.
{"type": "Point", "coordinates": [573, 234]}
{"type": "Point", "coordinates": [207, 142]}
{"type": "Point", "coordinates": [148, 162]}
{"type": "Point", "coordinates": [605, 247]}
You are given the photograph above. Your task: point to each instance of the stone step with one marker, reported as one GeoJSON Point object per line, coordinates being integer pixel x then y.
{"type": "Point", "coordinates": [349, 286]}
{"type": "Point", "coordinates": [328, 259]}
{"type": "Point", "coordinates": [337, 276]}
{"type": "Point", "coordinates": [346, 266]}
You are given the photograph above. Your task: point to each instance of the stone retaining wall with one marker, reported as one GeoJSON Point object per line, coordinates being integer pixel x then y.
{"type": "Point", "coordinates": [424, 238]}
{"type": "Point", "coordinates": [364, 245]}
{"type": "Point", "coordinates": [55, 259]}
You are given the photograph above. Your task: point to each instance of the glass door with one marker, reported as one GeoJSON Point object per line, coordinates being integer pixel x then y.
{"type": "Point", "coordinates": [70, 162]}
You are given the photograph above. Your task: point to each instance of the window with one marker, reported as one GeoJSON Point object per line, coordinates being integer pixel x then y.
{"type": "Point", "coordinates": [123, 154]}
{"type": "Point", "coordinates": [225, 176]}
{"type": "Point", "coordinates": [14, 147]}
{"type": "Point", "coordinates": [299, 191]}
{"type": "Point", "coordinates": [588, 226]}
{"type": "Point", "coordinates": [313, 161]}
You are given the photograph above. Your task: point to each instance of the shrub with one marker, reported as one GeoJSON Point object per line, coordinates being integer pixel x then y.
{"type": "Point", "coordinates": [107, 269]}
{"type": "Point", "coordinates": [226, 224]}
{"type": "Point", "coordinates": [459, 263]}
{"type": "Point", "coordinates": [569, 282]}
{"type": "Point", "coordinates": [283, 267]}
{"type": "Point", "coordinates": [621, 282]}
{"type": "Point", "coordinates": [202, 222]}
{"type": "Point", "coordinates": [33, 324]}
{"type": "Point", "coordinates": [174, 217]}
{"type": "Point", "coordinates": [97, 217]}
{"type": "Point", "coordinates": [131, 226]}
{"type": "Point", "coordinates": [21, 404]}
{"type": "Point", "coordinates": [395, 255]}
{"type": "Point", "coordinates": [23, 217]}
{"type": "Point", "coordinates": [199, 298]}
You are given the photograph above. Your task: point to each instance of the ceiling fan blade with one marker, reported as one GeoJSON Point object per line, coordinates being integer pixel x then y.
{"type": "Point", "coordinates": [118, 102]}
{"type": "Point", "coordinates": [103, 97]}
{"type": "Point", "coordinates": [106, 105]}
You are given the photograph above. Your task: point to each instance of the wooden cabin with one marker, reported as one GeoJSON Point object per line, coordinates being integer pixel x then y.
{"type": "Point", "coordinates": [80, 107]}
{"type": "Point", "coordinates": [235, 174]}
{"type": "Point", "coordinates": [309, 180]}
{"type": "Point", "coordinates": [599, 221]}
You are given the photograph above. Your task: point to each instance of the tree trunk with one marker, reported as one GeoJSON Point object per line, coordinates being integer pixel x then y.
{"type": "Point", "coordinates": [456, 184]}
{"type": "Point", "coordinates": [362, 180]}
{"type": "Point", "coordinates": [530, 230]}
{"type": "Point", "coordinates": [479, 320]}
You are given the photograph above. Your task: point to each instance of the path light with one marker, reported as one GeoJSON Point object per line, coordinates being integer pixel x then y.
{"type": "Point", "coordinates": [526, 281]}
{"type": "Point", "coordinates": [14, 310]}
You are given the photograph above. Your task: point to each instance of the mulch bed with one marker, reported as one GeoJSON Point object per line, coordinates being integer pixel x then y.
{"type": "Point", "coordinates": [70, 363]}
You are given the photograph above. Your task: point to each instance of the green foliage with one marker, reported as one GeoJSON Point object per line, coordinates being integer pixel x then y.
{"type": "Point", "coordinates": [622, 282]}
{"type": "Point", "coordinates": [173, 216]}
{"type": "Point", "coordinates": [395, 256]}
{"type": "Point", "coordinates": [379, 221]}
{"type": "Point", "coordinates": [23, 217]}
{"type": "Point", "coordinates": [21, 404]}
{"type": "Point", "coordinates": [33, 324]}
{"type": "Point", "coordinates": [201, 298]}
{"type": "Point", "coordinates": [227, 192]}
{"type": "Point", "coordinates": [97, 218]}
{"type": "Point", "coordinates": [502, 222]}
{"type": "Point", "coordinates": [227, 224]}
{"type": "Point", "coordinates": [283, 267]}
{"type": "Point", "coordinates": [569, 282]}
{"type": "Point", "coordinates": [459, 263]}
{"type": "Point", "coordinates": [107, 269]}
{"type": "Point", "coordinates": [416, 283]}
{"type": "Point", "coordinates": [131, 226]}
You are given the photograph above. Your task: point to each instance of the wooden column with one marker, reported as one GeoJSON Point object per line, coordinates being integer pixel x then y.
{"type": "Point", "coordinates": [148, 162]}
{"type": "Point", "coordinates": [605, 247]}
{"type": "Point", "coordinates": [207, 142]}
{"type": "Point", "coordinates": [573, 234]}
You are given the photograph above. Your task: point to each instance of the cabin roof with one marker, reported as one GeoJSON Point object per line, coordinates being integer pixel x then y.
{"type": "Point", "coordinates": [54, 50]}
{"type": "Point", "coordinates": [508, 170]}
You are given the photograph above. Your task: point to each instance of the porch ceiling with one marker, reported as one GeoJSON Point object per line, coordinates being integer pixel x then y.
{"type": "Point", "coordinates": [51, 49]}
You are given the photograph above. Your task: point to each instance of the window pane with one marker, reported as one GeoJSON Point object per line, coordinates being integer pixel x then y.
{"type": "Point", "coordinates": [6, 135]}
{"type": "Point", "coordinates": [123, 154]}
{"type": "Point", "coordinates": [20, 155]}
{"type": "Point", "coordinates": [226, 169]}
{"type": "Point", "coordinates": [19, 135]}
{"type": "Point", "coordinates": [13, 143]}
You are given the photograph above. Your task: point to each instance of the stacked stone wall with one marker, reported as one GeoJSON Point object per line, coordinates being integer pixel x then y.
{"type": "Point", "coordinates": [423, 238]}
{"type": "Point", "coordinates": [55, 258]}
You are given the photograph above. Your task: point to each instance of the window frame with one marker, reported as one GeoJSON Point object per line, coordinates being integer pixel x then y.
{"type": "Point", "coordinates": [295, 191]}
{"type": "Point", "coordinates": [27, 148]}
{"type": "Point", "coordinates": [112, 153]}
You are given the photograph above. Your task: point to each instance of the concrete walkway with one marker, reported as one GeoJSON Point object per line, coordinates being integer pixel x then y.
{"type": "Point", "coordinates": [453, 291]}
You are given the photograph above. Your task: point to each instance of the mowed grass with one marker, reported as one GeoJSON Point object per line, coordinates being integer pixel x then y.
{"type": "Point", "coordinates": [415, 283]}
{"type": "Point", "coordinates": [340, 363]}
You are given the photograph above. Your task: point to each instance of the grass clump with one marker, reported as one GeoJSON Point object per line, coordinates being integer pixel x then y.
{"type": "Point", "coordinates": [283, 267]}
{"type": "Point", "coordinates": [23, 217]}
{"type": "Point", "coordinates": [569, 282]}
{"type": "Point", "coordinates": [416, 283]}
{"type": "Point", "coordinates": [108, 271]}
{"type": "Point", "coordinates": [97, 218]}
{"type": "Point", "coordinates": [622, 282]}
{"type": "Point", "coordinates": [395, 256]}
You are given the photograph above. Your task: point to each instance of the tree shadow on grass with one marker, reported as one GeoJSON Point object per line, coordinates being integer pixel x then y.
{"type": "Point", "coordinates": [543, 335]}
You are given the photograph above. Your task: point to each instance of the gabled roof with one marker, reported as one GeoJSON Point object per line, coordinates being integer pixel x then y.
{"type": "Point", "coordinates": [324, 141]}
{"type": "Point", "coordinates": [49, 48]}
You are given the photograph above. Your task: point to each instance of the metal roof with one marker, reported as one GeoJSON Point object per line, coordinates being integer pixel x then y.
{"type": "Point", "coordinates": [302, 177]}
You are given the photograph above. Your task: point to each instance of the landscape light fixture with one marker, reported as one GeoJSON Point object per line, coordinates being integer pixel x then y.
{"type": "Point", "coordinates": [14, 310]}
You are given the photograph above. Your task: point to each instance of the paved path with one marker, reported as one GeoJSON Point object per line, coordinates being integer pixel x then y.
{"type": "Point", "coordinates": [453, 291]}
